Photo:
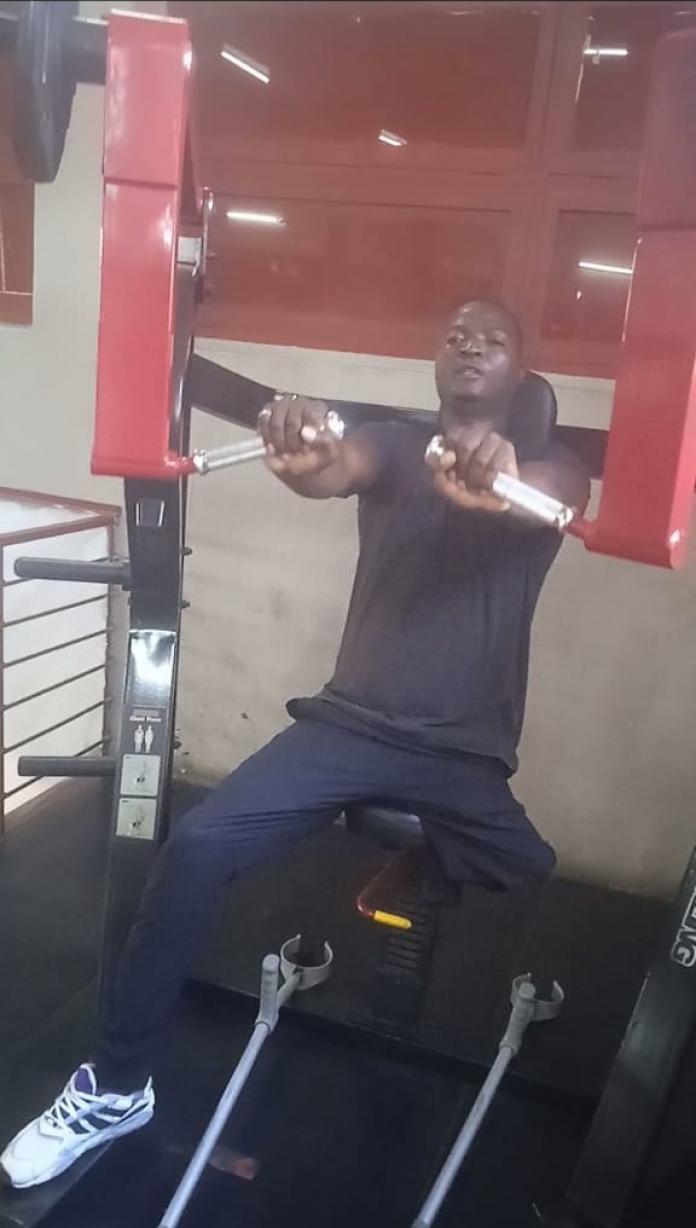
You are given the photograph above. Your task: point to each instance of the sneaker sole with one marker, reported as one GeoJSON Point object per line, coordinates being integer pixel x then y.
{"type": "Point", "coordinates": [91, 1141]}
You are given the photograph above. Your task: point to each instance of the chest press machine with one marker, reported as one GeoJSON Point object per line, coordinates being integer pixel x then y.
{"type": "Point", "coordinates": [149, 379]}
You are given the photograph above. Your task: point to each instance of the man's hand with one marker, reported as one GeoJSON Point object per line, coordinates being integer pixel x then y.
{"type": "Point", "coordinates": [468, 466]}
{"type": "Point", "coordinates": [295, 432]}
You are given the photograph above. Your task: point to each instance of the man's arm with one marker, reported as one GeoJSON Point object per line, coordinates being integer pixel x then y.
{"type": "Point", "coordinates": [324, 467]}
{"type": "Point", "coordinates": [470, 464]}
{"type": "Point", "coordinates": [560, 474]}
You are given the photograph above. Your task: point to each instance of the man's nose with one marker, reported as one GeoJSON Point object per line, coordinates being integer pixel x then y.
{"type": "Point", "coordinates": [470, 345]}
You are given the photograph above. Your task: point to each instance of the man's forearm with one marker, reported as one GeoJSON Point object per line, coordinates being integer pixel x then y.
{"type": "Point", "coordinates": [329, 483]}
{"type": "Point", "coordinates": [353, 470]}
{"type": "Point", "coordinates": [563, 477]}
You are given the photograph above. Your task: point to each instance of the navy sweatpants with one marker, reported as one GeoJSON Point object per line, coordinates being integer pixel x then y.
{"type": "Point", "coordinates": [291, 788]}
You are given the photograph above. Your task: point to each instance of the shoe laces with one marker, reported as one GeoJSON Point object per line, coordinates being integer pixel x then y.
{"type": "Point", "coordinates": [70, 1106]}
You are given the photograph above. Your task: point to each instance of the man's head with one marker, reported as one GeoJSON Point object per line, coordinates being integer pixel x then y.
{"type": "Point", "coordinates": [479, 363]}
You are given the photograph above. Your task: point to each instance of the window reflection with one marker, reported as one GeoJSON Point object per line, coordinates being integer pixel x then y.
{"type": "Point", "coordinates": [425, 73]}
{"type": "Point", "coordinates": [590, 277]}
{"type": "Point", "coordinates": [615, 71]}
{"type": "Point", "coordinates": [361, 262]}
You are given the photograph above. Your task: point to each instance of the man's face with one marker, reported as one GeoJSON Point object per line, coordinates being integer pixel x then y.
{"type": "Point", "coordinates": [479, 360]}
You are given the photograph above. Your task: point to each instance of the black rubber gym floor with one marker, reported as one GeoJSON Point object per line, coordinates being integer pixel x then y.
{"type": "Point", "coordinates": [331, 1131]}
{"type": "Point", "coordinates": [337, 1126]}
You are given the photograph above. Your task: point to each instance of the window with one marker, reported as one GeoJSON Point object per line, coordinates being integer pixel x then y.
{"type": "Point", "coordinates": [601, 83]}
{"type": "Point", "coordinates": [369, 82]}
{"type": "Point", "coordinates": [378, 278]}
{"type": "Point", "coordinates": [590, 276]}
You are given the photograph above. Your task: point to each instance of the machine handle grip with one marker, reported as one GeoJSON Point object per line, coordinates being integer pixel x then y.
{"type": "Point", "coordinates": [519, 494]}
{"type": "Point", "coordinates": [208, 460]}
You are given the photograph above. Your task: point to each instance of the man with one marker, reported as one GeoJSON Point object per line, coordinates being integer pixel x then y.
{"type": "Point", "coordinates": [424, 709]}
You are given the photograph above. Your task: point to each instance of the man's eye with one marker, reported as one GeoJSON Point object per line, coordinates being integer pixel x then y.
{"type": "Point", "coordinates": [498, 341]}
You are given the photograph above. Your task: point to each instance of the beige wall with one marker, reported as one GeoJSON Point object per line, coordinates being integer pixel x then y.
{"type": "Point", "coordinates": [609, 765]}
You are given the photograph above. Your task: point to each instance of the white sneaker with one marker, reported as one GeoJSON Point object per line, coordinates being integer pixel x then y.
{"type": "Point", "coordinates": [80, 1119]}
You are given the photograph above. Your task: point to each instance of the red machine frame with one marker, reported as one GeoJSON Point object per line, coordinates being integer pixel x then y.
{"type": "Point", "coordinates": [152, 202]}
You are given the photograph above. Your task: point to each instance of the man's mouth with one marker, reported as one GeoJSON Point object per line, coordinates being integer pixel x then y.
{"type": "Point", "coordinates": [469, 371]}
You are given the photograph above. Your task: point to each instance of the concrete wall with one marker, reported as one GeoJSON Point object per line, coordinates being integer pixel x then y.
{"type": "Point", "coordinates": [609, 770]}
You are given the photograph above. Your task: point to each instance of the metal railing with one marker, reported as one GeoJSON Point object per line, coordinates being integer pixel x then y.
{"type": "Point", "coordinates": [94, 518]}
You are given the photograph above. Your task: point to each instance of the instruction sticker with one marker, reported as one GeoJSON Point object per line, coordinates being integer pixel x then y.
{"type": "Point", "coordinates": [146, 731]}
{"type": "Point", "coordinates": [136, 818]}
{"type": "Point", "coordinates": [140, 775]}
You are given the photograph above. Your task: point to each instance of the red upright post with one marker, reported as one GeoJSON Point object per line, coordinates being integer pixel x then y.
{"type": "Point", "coordinates": [650, 463]}
{"type": "Point", "coordinates": [147, 162]}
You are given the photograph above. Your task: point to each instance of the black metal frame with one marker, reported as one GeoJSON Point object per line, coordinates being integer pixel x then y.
{"type": "Point", "coordinates": [156, 525]}
{"type": "Point", "coordinates": [637, 1091]}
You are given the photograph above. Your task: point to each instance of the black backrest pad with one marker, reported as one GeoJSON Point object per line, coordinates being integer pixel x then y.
{"type": "Point", "coordinates": [235, 398]}
{"type": "Point", "coordinates": [534, 412]}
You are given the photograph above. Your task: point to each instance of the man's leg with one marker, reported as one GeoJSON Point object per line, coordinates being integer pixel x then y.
{"type": "Point", "coordinates": [470, 815]}
{"type": "Point", "coordinates": [293, 787]}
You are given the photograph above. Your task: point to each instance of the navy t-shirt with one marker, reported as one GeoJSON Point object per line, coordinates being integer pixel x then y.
{"type": "Point", "coordinates": [436, 643]}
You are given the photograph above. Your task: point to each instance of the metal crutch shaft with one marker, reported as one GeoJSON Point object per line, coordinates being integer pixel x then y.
{"type": "Point", "coordinates": [271, 1000]}
{"type": "Point", "coordinates": [295, 977]}
{"type": "Point", "coordinates": [466, 1136]}
{"type": "Point", "coordinates": [526, 1009]}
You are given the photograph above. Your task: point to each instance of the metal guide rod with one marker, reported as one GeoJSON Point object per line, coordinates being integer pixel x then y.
{"type": "Point", "coordinates": [80, 571]}
{"type": "Point", "coordinates": [65, 765]}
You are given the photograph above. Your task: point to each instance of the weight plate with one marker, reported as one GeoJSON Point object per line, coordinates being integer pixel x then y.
{"type": "Point", "coordinates": [45, 85]}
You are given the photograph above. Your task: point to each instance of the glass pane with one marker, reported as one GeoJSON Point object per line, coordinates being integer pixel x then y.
{"type": "Point", "coordinates": [362, 262]}
{"type": "Point", "coordinates": [422, 73]}
{"type": "Point", "coordinates": [590, 277]}
{"type": "Point", "coordinates": [615, 71]}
